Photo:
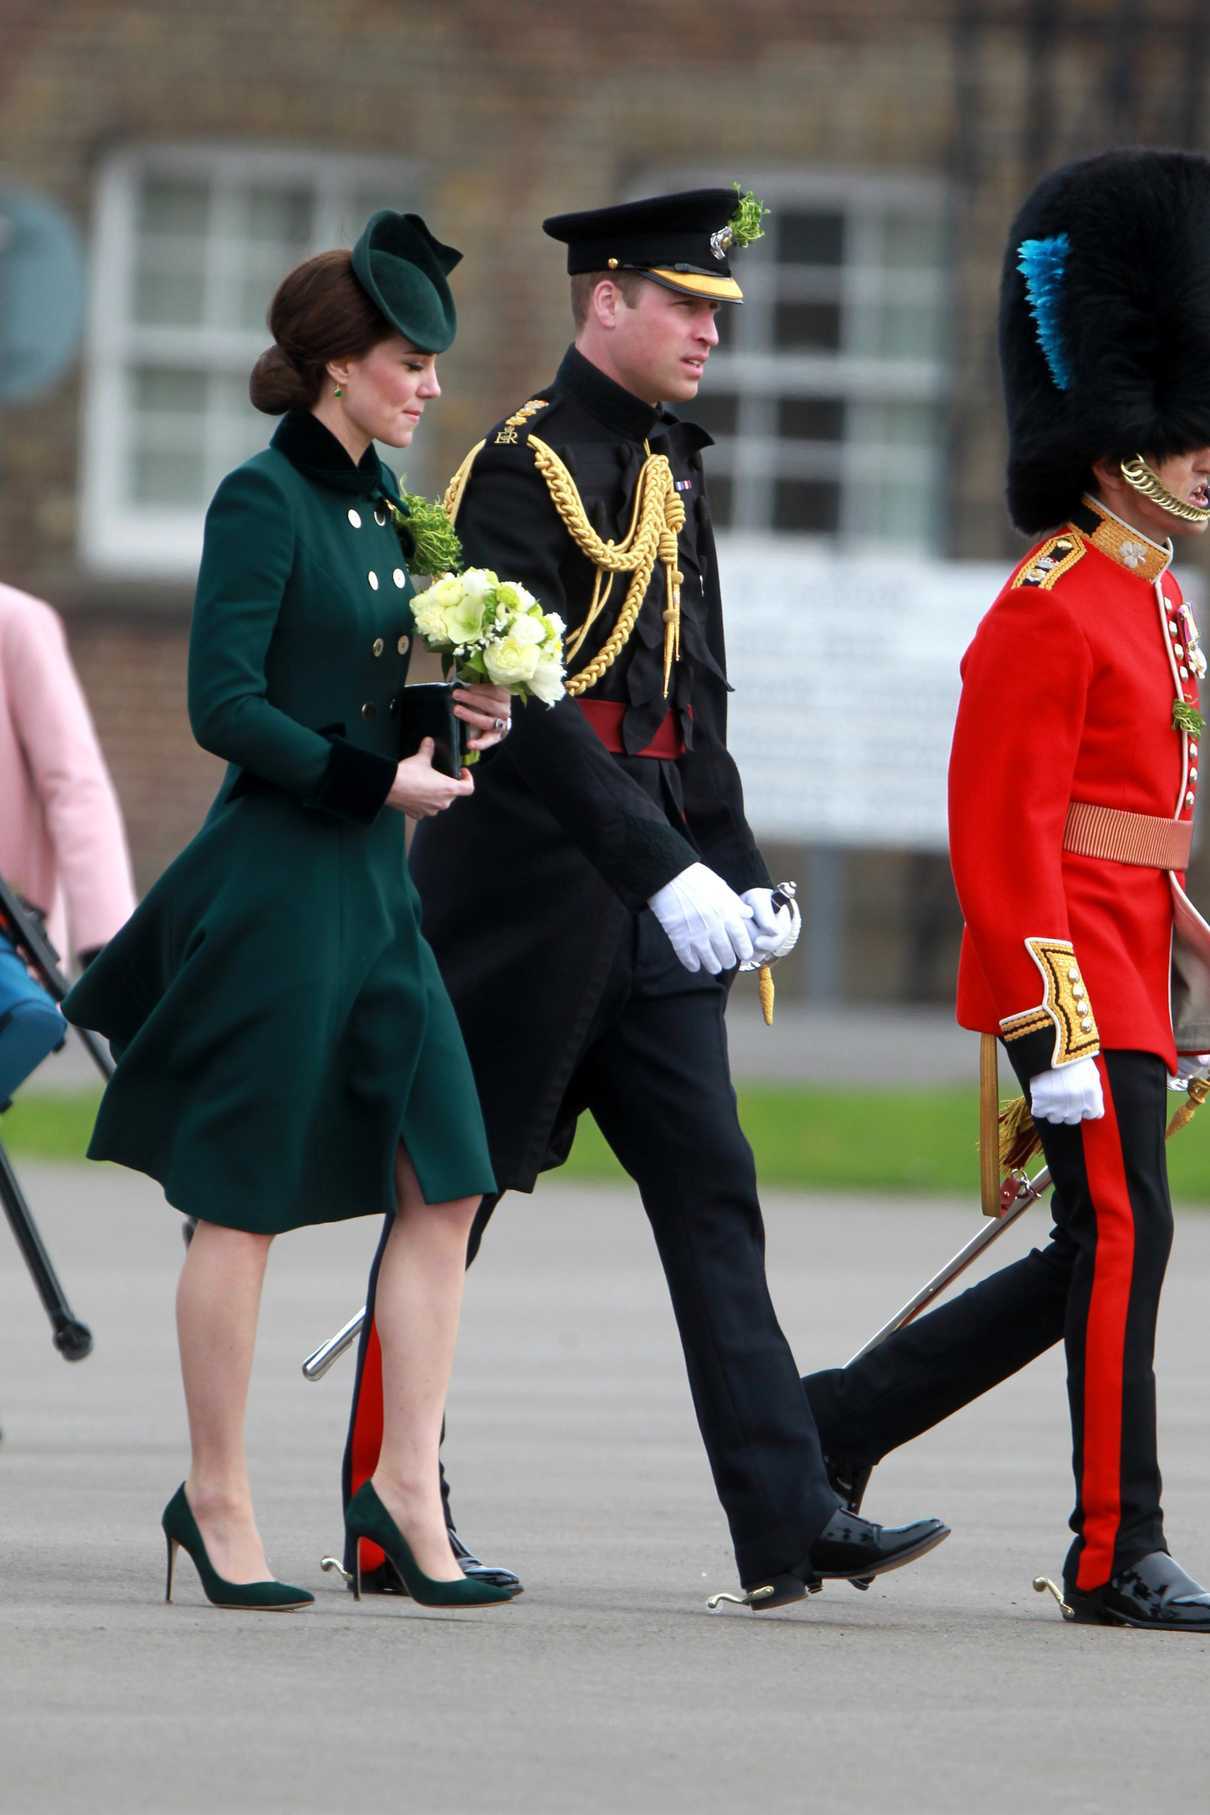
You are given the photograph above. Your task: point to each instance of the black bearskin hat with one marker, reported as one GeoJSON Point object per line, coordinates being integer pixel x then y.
{"type": "Point", "coordinates": [1105, 324]}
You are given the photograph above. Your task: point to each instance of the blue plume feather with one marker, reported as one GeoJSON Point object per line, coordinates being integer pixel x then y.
{"type": "Point", "coordinates": [1041, 263]}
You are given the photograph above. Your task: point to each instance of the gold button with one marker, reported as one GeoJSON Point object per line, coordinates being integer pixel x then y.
{"type": "Point", "coordinates": [378, 646]}
{"type": "Point", "coordinates": [1078, 990]}
{"type": "Point", "coordinates": [613, 264]}
{"type": "Point", "coordinates": [403, 645]}
{"type": "Point", "coordinates": [369, 710]}
{"type": "Point", "coordinates": [1086, 1027]}
{"type": "Point", "coordinates": [1073, 975]}
{"type": "Point", "coordinates": [1177, 650]}
{"type": "Point", "coordinates": [1184, 674]}
{"type": "Point", "coordinates": [1189, 798]}
{"type": "Point", "coordinates": [354, 519]}
{"type": "Point", "coordinates": [399, 577]}
{"type": "Point", "coordinates": [373, 579]}
{"type": "Point", "coordinates": [1193, 772]}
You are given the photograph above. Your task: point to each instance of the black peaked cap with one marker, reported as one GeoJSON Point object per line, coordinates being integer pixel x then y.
{"type": "Point", "coordinates": [680, 241]}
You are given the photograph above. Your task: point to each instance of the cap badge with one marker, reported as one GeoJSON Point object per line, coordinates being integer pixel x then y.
{"type": "Point", "coordinates": [722, 241]}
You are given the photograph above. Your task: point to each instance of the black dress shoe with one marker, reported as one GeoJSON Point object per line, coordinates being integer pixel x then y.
{"type": "Point", "coordinates": [385, 1580]}
{"type": "Point", "coordinates": [849, 1548]}
{"type": "Point", "coordinates": [1155, 1592]}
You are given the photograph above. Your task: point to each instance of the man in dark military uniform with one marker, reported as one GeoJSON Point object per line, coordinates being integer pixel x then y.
{"type": "Point", "coordinates": [590, 904]}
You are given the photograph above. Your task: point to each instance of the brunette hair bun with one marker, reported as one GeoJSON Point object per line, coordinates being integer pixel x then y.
{"type": "Point", "coordinates": [320, 313]}
{"type": "Point", "coordinates": [277, 385]}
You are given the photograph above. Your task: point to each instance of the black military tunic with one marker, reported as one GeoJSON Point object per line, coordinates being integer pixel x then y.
{"type": "Point", "coordinates": [568, 991]}
{"type": "Point", "coordinates": [540, 873]}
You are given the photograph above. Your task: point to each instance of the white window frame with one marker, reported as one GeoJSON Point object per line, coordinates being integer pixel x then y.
{"type": "Point", "coordinates": [754, 455]}
{"type": "Point", "coordinates": [118, 535]}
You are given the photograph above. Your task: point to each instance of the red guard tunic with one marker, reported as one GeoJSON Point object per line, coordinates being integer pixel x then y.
{"type": "Point", "coordinates": [1073, 690]}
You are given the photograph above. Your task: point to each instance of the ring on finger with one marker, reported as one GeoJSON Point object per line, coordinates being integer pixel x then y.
{"type": "Point", "coordinates": [500, 725]}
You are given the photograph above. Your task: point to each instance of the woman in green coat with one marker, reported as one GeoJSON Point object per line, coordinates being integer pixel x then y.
{"type": "Point", "coordinates": [286, 1052]}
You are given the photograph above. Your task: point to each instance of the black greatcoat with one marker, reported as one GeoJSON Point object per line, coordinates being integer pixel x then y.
{"type": "Point", "coordinates": [537, 877]}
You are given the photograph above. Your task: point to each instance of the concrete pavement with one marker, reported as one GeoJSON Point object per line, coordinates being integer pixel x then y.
{"type": "Point", "coordinates": [607, 1689]}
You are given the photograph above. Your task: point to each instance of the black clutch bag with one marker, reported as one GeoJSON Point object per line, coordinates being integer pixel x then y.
{"type": "Point", "coordinates": [427, 710]}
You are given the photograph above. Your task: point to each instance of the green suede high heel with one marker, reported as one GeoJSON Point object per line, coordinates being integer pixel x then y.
{"type": "Point", "coordinates": [367, 1517]}
{"type": "Point", "coordinates": [180, 1527]}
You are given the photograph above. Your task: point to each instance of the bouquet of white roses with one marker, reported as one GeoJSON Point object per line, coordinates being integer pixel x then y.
{"type": "Point", "coordinates": [488, 629]}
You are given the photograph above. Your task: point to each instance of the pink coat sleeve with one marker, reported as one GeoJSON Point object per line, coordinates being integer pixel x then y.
{"type": "Point", "coordinates": [82, 815]}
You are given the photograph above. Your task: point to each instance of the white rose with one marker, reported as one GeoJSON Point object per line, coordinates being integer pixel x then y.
{"type": "Point", "coordinates": [509, 662]}
{"type": "Point", "coordinates": [527, 630]}
{"type": "Point", "coordinates": [554, 630]}
{"type": "Point", "coordinates": [428, 609]}
{"type": "Point", "coordinates": [477, 582]}
{"type": "Point", "coordinates": [546, 682]}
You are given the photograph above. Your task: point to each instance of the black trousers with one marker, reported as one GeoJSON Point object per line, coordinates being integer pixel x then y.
{"type": "Point", "coordinates": [1096, 1286]}
{"type": "Point", "coordinates": [655, 1074]}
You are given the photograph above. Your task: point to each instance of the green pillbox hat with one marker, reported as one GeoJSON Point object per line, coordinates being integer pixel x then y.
{"type": "Point", "coordinates": [403, 269]}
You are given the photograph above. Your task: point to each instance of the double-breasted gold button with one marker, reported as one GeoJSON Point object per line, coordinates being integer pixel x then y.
{"type": "Point", "coordinates": [403, 645]}
{"type": "Point", "coordinates": [378, 646]}
{"type": "Point", "coordinates": [369, 710]}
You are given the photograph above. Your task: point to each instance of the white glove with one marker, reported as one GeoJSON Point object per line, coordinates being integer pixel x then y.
{"type": "Point", "coordinates": [775, 930]}
{"type": "Point", "coordinates": [1189, 1065]}
{"type": "Point", "coordinates": [1067, 1093]}
{"type": "Point", "coordinates": [704, 919]}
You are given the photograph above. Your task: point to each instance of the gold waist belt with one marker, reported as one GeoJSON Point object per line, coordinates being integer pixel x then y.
{"type": "Point", "coordinates": [1142, 838]}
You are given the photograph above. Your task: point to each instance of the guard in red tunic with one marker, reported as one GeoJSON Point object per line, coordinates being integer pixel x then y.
{"type": "Point", "coordinates": [1073, 781]}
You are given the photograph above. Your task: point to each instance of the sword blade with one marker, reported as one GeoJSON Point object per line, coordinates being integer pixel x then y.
{"type": "Point", "coordinates": [1029, 1191]}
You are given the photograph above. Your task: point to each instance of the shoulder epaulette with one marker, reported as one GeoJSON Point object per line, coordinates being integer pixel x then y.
{"type": "Point", "coordinates": [1046, 565]}
{"type": "Point", "coordinates": [506, 434]}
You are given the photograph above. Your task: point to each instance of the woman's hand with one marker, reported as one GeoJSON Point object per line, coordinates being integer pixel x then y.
{"type": "Point", "coordinates": [488, 711]}
{"type": "Point", "coordinates": [420, 791]}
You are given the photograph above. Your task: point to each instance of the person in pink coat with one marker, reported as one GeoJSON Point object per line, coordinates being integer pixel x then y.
{"type": "Point", "coordinates": [62, 843]}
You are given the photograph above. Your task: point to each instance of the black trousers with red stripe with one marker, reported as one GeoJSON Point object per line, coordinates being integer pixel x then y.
{"type": "Point", "coordinates": [1096, 1287]}
{"type": "Point", "coordinates": [655, 1075]}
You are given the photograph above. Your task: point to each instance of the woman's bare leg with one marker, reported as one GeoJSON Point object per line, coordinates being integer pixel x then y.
{"type": "Point", "coordinates": [217, 1305]}
{"type": "Point", "coordinates": [416, 1311]}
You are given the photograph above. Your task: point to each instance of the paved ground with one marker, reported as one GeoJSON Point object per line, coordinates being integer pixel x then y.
{"type": "Point", "coordinates": [608, 1689]}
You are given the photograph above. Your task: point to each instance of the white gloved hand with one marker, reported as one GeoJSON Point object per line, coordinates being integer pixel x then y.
{"type": "Point", "coordinates": [1067, 1093]}
{"type": "Point", "coordinates": [1189, 1065]}
{"type": "Point", "coordinates": [705, 920]}
{"type": "Point", "coordinates": [774, 930]}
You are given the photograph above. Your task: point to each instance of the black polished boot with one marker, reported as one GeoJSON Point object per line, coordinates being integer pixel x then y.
{"type": "Point", "coordinates": [848, 1549]}
{"type": "Point", "coordinates": [1154, 1593]}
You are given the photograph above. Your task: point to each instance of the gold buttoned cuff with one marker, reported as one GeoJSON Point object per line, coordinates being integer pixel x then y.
{"type": "Point", "coordinates": [1064, 1010]}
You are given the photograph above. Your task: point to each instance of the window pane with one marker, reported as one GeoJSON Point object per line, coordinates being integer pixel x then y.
{"type": "Point", "coordinates": [716, 411]}
{"type": "Point", "coordinates": [811, 418]}
{"type": "Point", "coordinates": [168, 476]}
{"type": "Point", "coordinates": [806, 506]}
{"type": "Point", "coordinates": [913, 242]}
{"type": "Point", "coordinates": [169, 289]}
{"type": "Point", "coordinates": [169, 390]}
{"type": "Point", "coordinates": [894, 330]}
{"type": "Point", "coordinates": [803, 326]}
{"type": "Point", "coordinates": [814, 237]}
{"type": "Point", "coordinates": [896, 424]}
{"type": "Point", "coordinates": [269, 215]}
{"type": "Point", "coordinates": [174, 207]}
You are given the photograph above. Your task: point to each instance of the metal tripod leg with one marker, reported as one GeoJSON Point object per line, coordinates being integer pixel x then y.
{"type": "Point", "coordinates": [72, 1338]}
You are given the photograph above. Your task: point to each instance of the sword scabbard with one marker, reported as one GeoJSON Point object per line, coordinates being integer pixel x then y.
{"type": "Point", "coordinates": [989, 1125]}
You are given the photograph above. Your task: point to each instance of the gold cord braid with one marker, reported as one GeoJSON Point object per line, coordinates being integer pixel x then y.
{"type": "Point", "coordinates": [657, 517]}
{"type": "Point", "coordinates": [453, 492]}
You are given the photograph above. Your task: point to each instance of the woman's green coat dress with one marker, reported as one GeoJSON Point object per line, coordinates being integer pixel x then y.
{"type": "Point", "coordinates": [278, 1020]}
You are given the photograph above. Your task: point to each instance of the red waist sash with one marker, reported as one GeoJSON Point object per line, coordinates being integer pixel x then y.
{"type": "Point", "coordinates": [606, 716]}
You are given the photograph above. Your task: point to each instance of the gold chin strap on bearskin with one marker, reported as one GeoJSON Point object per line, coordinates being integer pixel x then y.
{"type": "Point", "coordinates": [1137, 473]}
{"type": "Point", "coordinates": [656, 519]}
